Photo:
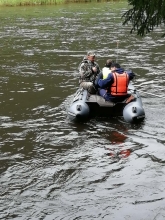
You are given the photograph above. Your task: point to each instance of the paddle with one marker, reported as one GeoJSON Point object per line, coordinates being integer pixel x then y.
{"type": "Point", "coordinates": [152, 94]}
{"type": "Point", "coordinates": [141, 91]}
{"type": "Point", "coordinates": [148, 93]}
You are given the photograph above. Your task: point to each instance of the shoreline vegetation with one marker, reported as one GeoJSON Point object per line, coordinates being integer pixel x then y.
{"type": "Point", "coordinates": [46, 2]}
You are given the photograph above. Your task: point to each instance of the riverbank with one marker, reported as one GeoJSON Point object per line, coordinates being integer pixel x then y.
{"type": "Point", "coordinates": [46, 2]}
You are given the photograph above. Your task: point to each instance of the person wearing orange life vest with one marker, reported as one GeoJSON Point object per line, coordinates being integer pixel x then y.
{"type": "Point", "coordinates": [114, 87]}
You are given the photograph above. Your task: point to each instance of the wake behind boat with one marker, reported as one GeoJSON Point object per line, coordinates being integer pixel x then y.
{"type": "Point", "coordinates": [86, 105]}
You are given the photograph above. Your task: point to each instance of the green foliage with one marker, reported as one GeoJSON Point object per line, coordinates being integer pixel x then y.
{"type": "Point", "coordinates": [145, 15]}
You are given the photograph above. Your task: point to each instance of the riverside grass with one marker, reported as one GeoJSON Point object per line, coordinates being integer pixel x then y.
{"type": "Point", "coordinates": [45, 2]}
{"type": "Point", "coordinates": [29, 2]}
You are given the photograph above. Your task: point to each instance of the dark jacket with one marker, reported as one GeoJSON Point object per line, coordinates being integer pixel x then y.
{"type": "Point", "coordinates": [104, 83]}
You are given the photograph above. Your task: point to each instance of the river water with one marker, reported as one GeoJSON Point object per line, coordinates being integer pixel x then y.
{"type": "Point", "coordinates": [51, 168]}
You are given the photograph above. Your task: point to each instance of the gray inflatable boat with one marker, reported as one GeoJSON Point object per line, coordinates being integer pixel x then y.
{"type": "Point", "coordinates": [86, 105]}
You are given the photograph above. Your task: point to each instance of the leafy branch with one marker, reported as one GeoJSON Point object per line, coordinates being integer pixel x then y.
{"type": "Point", "coordinates": [145, 15]}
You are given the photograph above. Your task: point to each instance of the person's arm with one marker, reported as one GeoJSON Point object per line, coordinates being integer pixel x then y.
{"type": "Point", "coordinates": [100, 76]}
{"type": "Point", "coordinates": [85, 71]}
{"type": "Point", "coordinates": [103, 83]}
{"type": "Point", "coordinates": [98, 71]}
{"type": "Point", "coordinates": [130, 74]}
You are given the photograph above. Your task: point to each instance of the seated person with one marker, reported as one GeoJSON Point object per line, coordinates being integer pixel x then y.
{"type": "Point", "coordinates": [107, 69]}
{"type": "Point", "coordinates": [114, 87]}
{"type": "Point", "coordinates": [88, 70]}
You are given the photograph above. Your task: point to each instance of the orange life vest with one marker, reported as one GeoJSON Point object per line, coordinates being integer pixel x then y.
{"type": "Point", "coordinates": [120, 84]}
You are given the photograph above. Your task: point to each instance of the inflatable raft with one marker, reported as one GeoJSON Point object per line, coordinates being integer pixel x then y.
{"type": "Point", "coordinates": [86, 105]}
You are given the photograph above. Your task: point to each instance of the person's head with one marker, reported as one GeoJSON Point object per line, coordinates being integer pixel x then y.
{"type": "Point", "coordinates": [115, 66]}
{"type": "Point", "coordinates": [91, 56]}
{"type": "Point", "coordinates": [108, 63]}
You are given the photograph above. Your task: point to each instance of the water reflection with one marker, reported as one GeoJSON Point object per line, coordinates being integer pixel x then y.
{"type": "Point", "coordinates": [117, 144]}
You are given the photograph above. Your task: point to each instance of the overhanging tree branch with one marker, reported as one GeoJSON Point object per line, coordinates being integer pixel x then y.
{"type": "Point", "coordinates": [145, 15]}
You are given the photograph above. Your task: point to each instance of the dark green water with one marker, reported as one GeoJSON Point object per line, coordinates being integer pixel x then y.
{"type": "Point", "coordinates": [52, 169]}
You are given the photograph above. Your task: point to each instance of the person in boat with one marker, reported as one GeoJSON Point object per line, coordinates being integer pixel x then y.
{"type": "Point", "coordinates": [107, 69]}
{"type": "Point", "coordinates": [114, 87]}
{"type": "Point", "coordinates": [88, 70]}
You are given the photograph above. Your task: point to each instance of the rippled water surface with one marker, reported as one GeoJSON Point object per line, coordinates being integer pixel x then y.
{"type": "Point", "coordinates": [51, 168]}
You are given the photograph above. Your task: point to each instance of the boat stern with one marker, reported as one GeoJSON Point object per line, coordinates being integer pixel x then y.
{"type": "Point", "coordinates": [133, 112]}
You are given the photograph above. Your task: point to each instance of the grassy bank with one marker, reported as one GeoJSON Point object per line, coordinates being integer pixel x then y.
{"type": "Point", "coordinates": [44, 2]}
